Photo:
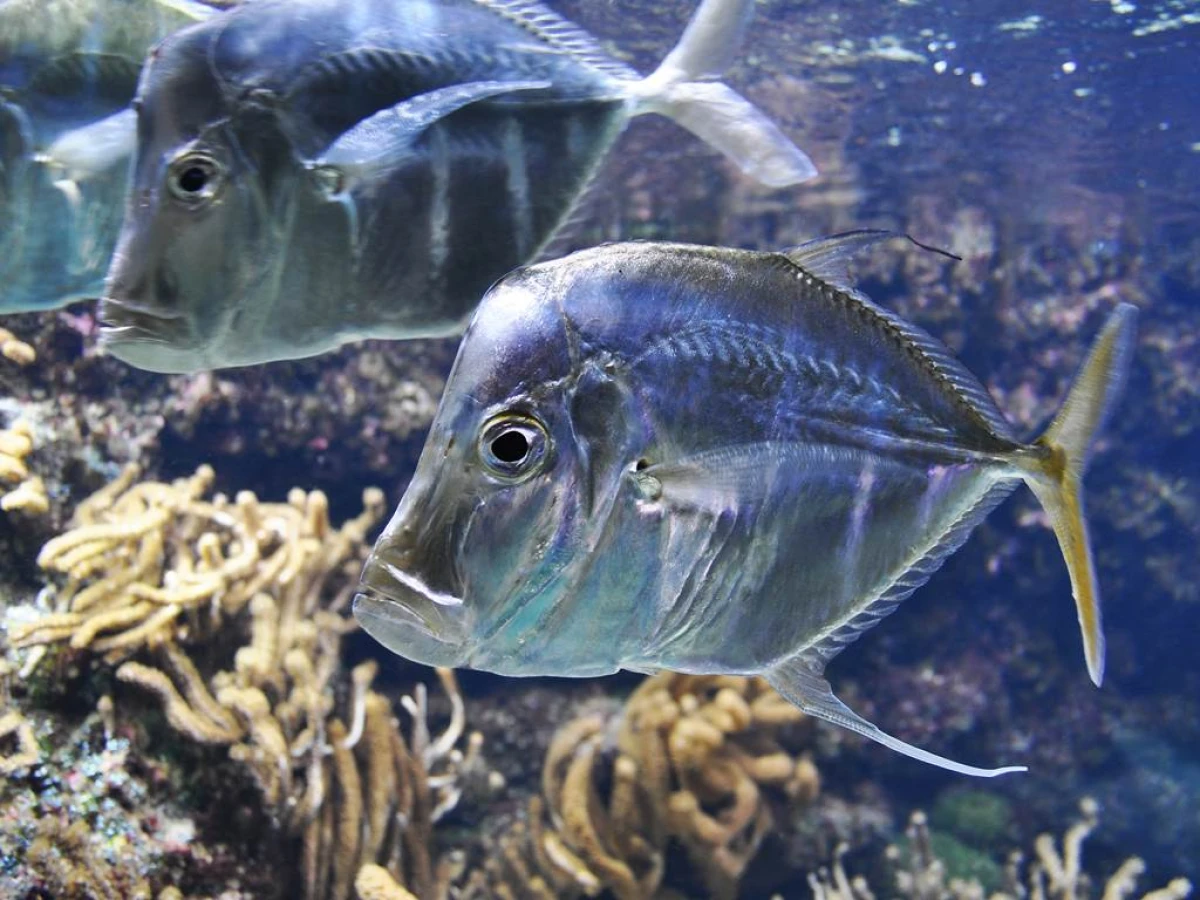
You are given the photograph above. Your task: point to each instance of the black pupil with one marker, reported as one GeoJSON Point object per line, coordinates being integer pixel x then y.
{"type": "Point", "coordinates": [510, 447]}
{"type": "Point", "coordinates": [193, 179]}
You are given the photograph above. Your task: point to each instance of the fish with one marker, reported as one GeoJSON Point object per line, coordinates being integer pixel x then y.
{"type": "Point", "coordinates": [315, 172]}
{"type": "Point", "coordinates": [655, 456]}
{"type": "Point", "coordinates": [68, 71]}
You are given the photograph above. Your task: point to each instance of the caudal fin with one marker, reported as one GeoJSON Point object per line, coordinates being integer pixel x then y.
{"type": "Point", "coordinates": [684, 88]}
{"type": "Point", "coordinates": [1057, 477]}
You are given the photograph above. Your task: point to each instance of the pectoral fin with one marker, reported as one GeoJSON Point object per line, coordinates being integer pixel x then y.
{"type": "Point", "coordinates": [801, 681]}
{"type": "Point", "coordinates": [193, 9]}
{"type": "Point", "coordinates": [372, 148]}
{"type": "Point", "coordinates": [88, 151]}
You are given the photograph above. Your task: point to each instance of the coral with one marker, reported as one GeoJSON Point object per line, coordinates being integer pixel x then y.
{"type": "Point", "coordinates": [16, 350]}
{"type": "Point", "coordinates": [29, 495]}
{"type": "Point", "coordinates": [26, 754]}
{"type": "Point", "coordinates": [149, 563]}
{"type": "Point", "coordinates": [692, 761]}
{"type": "Point", "coordinates": [152, 568]}
{"type": "Point", "coordinates": [1055, 872]}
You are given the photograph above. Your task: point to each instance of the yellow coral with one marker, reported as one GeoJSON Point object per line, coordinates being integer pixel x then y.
{"type": "Point", "coordinates": [151, 563]}
{"type": "Point", "coordinates": [695, 760]}
{"type": "Point", "coordinates": [29, 494]}
{"type": "Point", "coordinates": [16, 350]}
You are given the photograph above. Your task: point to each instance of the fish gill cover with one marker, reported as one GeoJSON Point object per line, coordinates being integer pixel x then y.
{"type": "Point", "coordinates": [188, 709]}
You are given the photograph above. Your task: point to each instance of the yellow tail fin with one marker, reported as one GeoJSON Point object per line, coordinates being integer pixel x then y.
{"type": "Point", "coordinates": [1057, 477]}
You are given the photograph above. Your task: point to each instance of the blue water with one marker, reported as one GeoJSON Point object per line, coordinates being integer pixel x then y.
{"type": "Point", "coordinates": [1056, 148]}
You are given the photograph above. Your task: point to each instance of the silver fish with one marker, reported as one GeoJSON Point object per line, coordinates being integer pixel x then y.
{"type": "Point", "coordinates": [657, 456]}
{"type": "Point", "coordinates": [313, 172]}
{"type": "Point", "coordinates": [68, 71]}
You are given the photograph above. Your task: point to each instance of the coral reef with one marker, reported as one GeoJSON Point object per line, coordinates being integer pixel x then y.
{"type": "Point", "coordinates": [150, 563]}
{"type": "Point", "coordinates": [152, 568]}
{"type": "Point", "coordinates": [691, 761]}
{"type": "Point", "coordinates": [1055, 871]}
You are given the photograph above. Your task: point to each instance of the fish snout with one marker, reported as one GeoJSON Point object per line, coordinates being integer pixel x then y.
{"type": "Point", "coordinates": [416, 615]}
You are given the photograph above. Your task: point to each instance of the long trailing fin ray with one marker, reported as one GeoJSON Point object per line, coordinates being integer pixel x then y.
{"type": "Point", "coordinates": [826, 260]}
{"type": "Point", "coordinates": [800, 680]}
{"type": "Point", "coordinates": [683, 90]}
{"type": "Point", "coordinates": [917, 573]}
{"type": "Point", "coordinates": [1056, 474]}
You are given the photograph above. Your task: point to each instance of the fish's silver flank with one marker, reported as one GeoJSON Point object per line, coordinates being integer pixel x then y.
{"type": "Point", "coordinates": [658, 456]}
{"type": "Point", "coordinates": [314, 172]}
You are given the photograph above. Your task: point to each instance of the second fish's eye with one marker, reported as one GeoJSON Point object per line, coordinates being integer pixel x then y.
{"type": "Point", "coordinates": [194, 178]}
{"type": "Point", "coordinates": [513, 446]}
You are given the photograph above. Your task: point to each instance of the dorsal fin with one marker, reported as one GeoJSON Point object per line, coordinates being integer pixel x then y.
{"type": "Point", "coordinates": [827, 260]}
{"type": "Point", "coordinates": [552, 29]}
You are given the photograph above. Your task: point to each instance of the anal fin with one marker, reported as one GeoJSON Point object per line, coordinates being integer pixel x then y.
{"type": "Point", "coordinates": [801, 681]}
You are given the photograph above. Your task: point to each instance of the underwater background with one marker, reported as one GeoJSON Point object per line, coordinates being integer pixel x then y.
{"type": "Point", "coordinates": [1055, 147]}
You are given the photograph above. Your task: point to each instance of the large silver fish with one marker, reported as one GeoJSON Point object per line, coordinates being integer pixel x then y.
{"type": "Point", "coordinates": [68, 70]}
{"type": "Point", "coordinates": [657, 456]}
{"type": "Point", "coordinates": [312, 172]}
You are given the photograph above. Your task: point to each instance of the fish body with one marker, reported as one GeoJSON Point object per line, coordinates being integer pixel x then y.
{"type": "Point", "coordinates": [312, 172]}
{"type": "Point", "coordinates": [68, 71]}
{"type": "Point", "coordinates": [655, 456]}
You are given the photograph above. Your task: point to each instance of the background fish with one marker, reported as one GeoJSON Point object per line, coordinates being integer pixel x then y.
{"type": "Point", "coordinates": [312, 172]}
{"type": "Point", "coordinates": [663, 456]}
{"type": "Point", "coordinates": [68, 70]}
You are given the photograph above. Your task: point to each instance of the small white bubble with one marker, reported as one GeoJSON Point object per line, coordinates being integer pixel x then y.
{"type": "Point", "coordinates": [1164, 126]}
{"type": "Point", "coordinates": [1069, 67]}
{"type": "Point", "coordinates": [959, 70]}
{"type": "Point", "coordinates": [951, 45]}
{"type": "Point", "coordinates": [939, 66]}
{"type": "Point", "coordinates": [893, 136]}
{"type": "Point", "coordinates": [977, 79]}
{"type": "Point", "coordinates": [1083, 92]}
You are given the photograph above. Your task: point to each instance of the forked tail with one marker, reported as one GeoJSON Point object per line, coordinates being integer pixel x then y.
{"type": "Point", "coordinates": [685, 89]}
{"type": "Point", "coordinates": [1055, 474]}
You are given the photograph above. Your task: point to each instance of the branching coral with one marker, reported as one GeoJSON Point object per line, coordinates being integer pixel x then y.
{"type": "Point", "coordinates": [16, 350]}
{"type": "Point", "coordinates": [1052, 874]}
{"type": "Point", "coordinates": [692, 761]}
{"type": "Point", "coordinates": [150, 563]}
{"type": "Point", "coordinates": [153, 568]}
{"type": "Point", "coordinates": [29, 495]}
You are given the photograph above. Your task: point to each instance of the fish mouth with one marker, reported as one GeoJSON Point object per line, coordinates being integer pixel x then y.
{"type": "Point", "coordinates": [122, 321]}
{"type": "Point", "coordinates": [409, 617]}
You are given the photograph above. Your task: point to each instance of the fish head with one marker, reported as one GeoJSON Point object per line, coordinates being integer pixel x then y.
{"type": "Point", "coordinates": [195, 276]}
{"type": "Point", "coordinates": [480, 563]}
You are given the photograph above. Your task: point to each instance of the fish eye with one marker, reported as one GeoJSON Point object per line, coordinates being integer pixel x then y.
{"type": "Point", "coordinates": [513, 446]}
{"type": "Point", "coordinates": [194, 178]}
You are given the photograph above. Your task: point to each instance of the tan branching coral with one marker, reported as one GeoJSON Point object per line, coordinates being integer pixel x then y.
{"type": "Point", "coordinates": [692, 760]}
{"type": "Point", "coordinates": [151, 569]}
{"type": "Point", "coordinates": [29, 492]}
{"type": "Point", "coordinates": [1055, 871]}
{"type": "Point", "coordinates": [150, 563]}
{"type": "Point", "coordinates": [25, 753]}
{"type": "Point", "coordinates": [16, 350]}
